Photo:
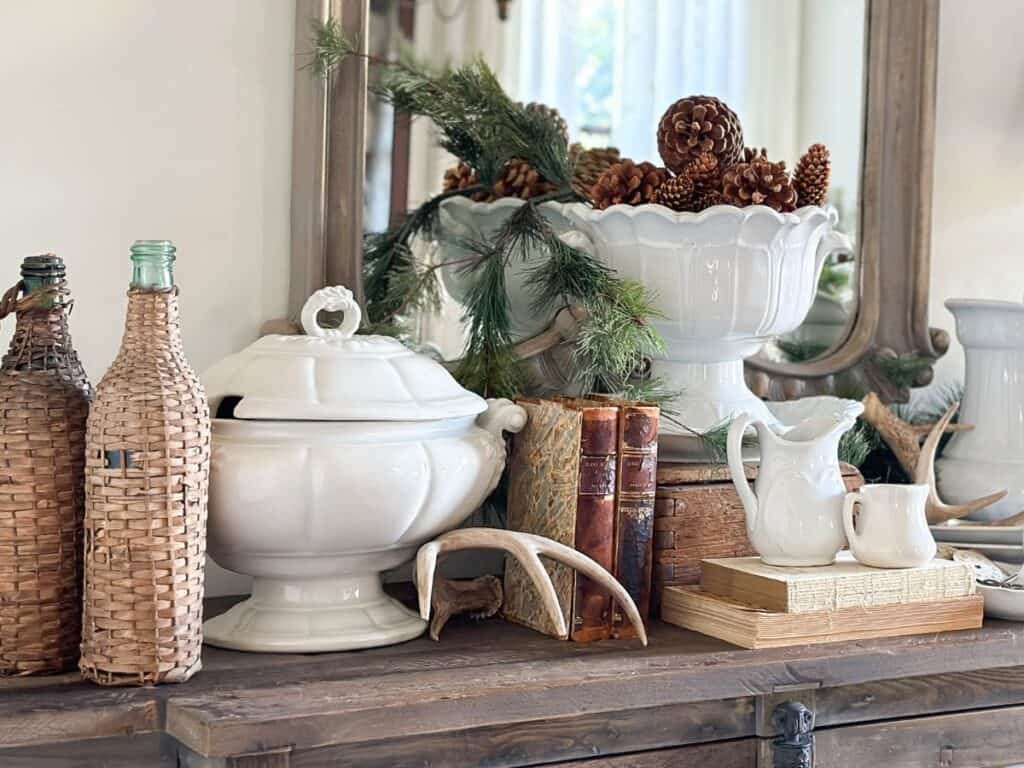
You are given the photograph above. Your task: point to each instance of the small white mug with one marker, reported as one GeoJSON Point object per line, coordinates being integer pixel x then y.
{"type": "Point", "coordinates": [887, 525]}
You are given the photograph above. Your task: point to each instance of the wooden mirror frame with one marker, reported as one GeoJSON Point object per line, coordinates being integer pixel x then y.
{"type": "Point", "coordinates": [894, 216]}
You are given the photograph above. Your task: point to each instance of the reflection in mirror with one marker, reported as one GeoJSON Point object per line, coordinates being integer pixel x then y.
{"type": "Point", "coordinates": [793, 70]}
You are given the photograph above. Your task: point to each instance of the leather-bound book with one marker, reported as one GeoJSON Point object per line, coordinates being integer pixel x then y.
{"type": "Point", "coordinates": [634, 512]}
{"type": "Point", "coordinates": [562, 485]}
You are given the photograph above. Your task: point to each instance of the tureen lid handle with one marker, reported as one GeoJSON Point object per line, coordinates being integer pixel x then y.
{"type": "Point", "coordinates": [333, 298]}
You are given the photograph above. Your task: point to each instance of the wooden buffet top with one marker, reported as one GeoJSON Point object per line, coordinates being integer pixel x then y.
{"type": "Point", "coordinates": [492, 693]}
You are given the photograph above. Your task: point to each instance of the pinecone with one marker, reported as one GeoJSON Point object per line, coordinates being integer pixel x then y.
{"type": "Point", "coordinates": [703, 200]}
{"type": "Point", "coordinates": [522, 180]}
{"type": "Point", "coordinates": [699, 124]}
{"type": "Point", "coordinates": [750, 154]}
{"type": "Point", "coordinates": [705, 172]}
{"type": "Point", "coordinates": [760, 182]}
{"type": "Point", "coordinates": [811, 176]}
{"type": "Point", "coordinates": [461, 177]}
{"type": "Point", "coordinates": [628, 182]}
{"type": "Point", "coordinates": [589, 164]}
{"type": "Point", "coordinates": [551, 113]}
{"type": "Point", "coordinates": [676, 193]}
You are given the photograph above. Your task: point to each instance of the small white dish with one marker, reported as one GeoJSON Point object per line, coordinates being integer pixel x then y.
{"type": "Point", "coordinates": [1003, 602]}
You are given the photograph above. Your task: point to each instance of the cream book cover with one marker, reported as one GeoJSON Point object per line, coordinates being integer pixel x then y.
{"type": "Point", "coordinates": [844, 584]}
{"type": "Point", "coordinates": [749, 627]}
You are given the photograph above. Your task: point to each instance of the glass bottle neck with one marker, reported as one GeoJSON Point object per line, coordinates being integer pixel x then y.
{"type": "Point", "coordinates": [40, 271]}
{"type": "Point", "coordinates": [153, 264]}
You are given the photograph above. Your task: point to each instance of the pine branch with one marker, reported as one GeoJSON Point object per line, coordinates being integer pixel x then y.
{"type": "Point", "coordinates": [902, 370]}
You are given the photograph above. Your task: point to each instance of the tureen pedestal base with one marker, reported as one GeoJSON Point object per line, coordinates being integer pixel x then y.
{"type": "Point", "coordinates": [712, 394]}
{"type": "Point", "coordinates": [314, 615]}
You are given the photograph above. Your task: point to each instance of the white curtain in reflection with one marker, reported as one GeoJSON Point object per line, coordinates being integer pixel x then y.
{"type": "Point", "coordinates": [745, 52]}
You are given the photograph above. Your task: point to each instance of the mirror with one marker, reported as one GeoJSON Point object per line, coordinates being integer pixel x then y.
{"type": "Point", "coordinates": [793, 72]}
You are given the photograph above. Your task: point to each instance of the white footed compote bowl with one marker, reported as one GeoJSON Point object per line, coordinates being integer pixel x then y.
{"type": "Point", "coordinates": [335, 457]}
{"type": "Point", "coordinates": [463, 219]}
{"type": "Point", "coordinates": [726, 280]}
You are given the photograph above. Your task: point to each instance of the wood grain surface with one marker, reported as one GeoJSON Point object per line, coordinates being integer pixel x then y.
{"type": "Point", "coordinates": [493, 693]}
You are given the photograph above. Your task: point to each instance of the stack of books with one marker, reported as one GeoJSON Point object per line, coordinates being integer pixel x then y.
{"type": "Point", "coordinates": [753, 605]}
{"type": "Point", "coordinates": [584, 473]}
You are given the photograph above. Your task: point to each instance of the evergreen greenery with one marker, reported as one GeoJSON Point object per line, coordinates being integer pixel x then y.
{"type": "Point", "coordinates": [902, 370]}
{"type": "Point", "coordinates": [484, 128]}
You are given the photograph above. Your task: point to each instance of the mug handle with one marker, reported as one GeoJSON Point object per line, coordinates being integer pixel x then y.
{"type": "Point", "coordinates": [849, 502]}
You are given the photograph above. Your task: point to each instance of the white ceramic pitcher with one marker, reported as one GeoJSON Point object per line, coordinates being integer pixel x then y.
{"type": "Point", "coordinates": [795, 510]}
{"type": "Point", "coordinates": [887, 527]}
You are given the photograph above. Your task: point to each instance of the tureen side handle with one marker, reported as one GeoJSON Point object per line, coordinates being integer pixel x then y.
{"type": "Point", "coordinates": [502, 415]}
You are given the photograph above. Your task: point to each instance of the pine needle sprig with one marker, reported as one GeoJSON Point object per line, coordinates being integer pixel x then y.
{"type": "Point", "coordinates": [902, 370]}
{"type": "Point", "coordinates": [330, 46]}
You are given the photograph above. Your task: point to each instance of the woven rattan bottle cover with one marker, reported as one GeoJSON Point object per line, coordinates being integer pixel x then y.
{"type": "Point", "coordinates": [44, 401]}
{"type": "Point", "coordinates": [147, 475]}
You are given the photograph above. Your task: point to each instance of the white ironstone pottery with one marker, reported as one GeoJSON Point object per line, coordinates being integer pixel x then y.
{"type": "Point", "coordinates": [795, 510]}
{"type": "Point", "coordinates": [887, 525]}
{"type": "Point", "coordinates": [343, 455]}
{"type": "Point", "coordinates": [726, 279]}
{"type": "Point", "coordinates": [462, 219]}
{"type": "Point", "coordinates": [991, 456]}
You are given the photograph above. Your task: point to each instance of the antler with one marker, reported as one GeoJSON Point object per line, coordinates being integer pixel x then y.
{"type": "Point", "coordinates": [480, 597]}
{"type": "Point", "coordinates": [903, 438]}
{"type": "Point", "coordinates": [924, 473]}
{"type": "Point", "coordinates": [525, 547]}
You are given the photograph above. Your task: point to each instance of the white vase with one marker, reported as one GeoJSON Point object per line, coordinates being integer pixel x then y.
{"type": "Point", "coordinates": [726, 279]}
{"type": "Point", "coordinates": [991, 456]}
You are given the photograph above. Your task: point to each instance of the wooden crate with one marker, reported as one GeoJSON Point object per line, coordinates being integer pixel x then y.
{"type": "Point", "coordinates": [697, 515]}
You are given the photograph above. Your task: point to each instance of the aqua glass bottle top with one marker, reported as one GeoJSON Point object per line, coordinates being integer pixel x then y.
{"type": "Point", "coordinates": [153, 264]}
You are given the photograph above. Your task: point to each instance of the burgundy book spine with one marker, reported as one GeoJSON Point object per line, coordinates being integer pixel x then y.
{"type": "Point", "coordinates": [634, 513]}
{"type": "Point", "coordinates": [595, 519]}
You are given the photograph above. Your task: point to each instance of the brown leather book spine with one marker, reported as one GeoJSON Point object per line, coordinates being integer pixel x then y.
{"type": "Point", "coordinates": [634, 513]}
{"type": "Point", "coordinates": [595, 519]}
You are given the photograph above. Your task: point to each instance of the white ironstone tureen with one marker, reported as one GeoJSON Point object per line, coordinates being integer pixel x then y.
{"type": "Point", "coordinates": [335, 457]}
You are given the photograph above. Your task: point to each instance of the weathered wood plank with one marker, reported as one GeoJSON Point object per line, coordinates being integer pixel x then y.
{"type": "Point", "coordinates": [510, 745]}
{"type": "Point", "coordinates": [991, 738]}
{"type": "Point", "coordinates": [476, 673]}
{"type": "Point", "coordinates": [50, 719]}
{"type": "Point", "coordinates": [900, 698]}
{"type": "Point", "coordinates": [664, 675]}
{"type": "Point", "coordinates": [140, 751]}
{"type": "Point", "coordinates": [741, 753]}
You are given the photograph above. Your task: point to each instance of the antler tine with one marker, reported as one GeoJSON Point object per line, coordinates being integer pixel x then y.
{"type": "Point", "coordinates": [924, 473]}
{"type": "Point", "coordinates": [580, 562]}
{"type": "Point", "coordinates": [426, 564]}
{"type": "Point", "coordinates": [526, 548]}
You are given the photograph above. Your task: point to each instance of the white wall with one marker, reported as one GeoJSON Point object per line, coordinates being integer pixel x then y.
{"type": "Point", "coordinates": [123, 120]}
{"type": "Point", "coordinates": [978, 210]}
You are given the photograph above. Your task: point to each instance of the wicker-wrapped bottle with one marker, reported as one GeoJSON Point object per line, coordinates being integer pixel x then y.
{"type": "Point", "coordinates": [44, 402]}
{"type": "Point", "coordinates": [147, 474]}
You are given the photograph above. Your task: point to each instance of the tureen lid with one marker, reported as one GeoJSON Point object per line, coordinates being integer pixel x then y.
{"type": "Point", "coordinates": [331, 374]}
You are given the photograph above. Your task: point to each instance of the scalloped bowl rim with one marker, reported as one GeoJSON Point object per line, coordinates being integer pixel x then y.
{"type": "Point", "coordinates": [592, 214]}
{"type": "Point", "coordinates": [488, 205]}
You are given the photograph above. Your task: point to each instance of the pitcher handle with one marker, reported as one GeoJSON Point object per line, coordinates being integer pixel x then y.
{"type": "Point", "coordinates": [850, 500]}
{"type": "Point", "coordinates": [734, 454]}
